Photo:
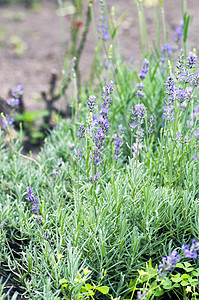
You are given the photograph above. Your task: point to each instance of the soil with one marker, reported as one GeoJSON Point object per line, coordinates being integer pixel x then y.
{"type": "Point", "coordinates": [44, 38]}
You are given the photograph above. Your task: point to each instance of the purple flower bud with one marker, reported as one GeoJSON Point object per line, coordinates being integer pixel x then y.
{"type": "Point", "coordinates": [191, 251]}
{"type": "Point", "coordinates": [96, 177]}
{"type": "Point", "coordinates": [33, 199]}
{"type": "Point", "coordinates": [91, 103]}
{"type": "Point", "coordinates": [168, 263]}
{"type": "Point", "coordinates": [18, 91]}
{"type": "Point", "coordinates": [7, 122]}
{"type": "Point", "coordinates": [82, 130]}
{"type": "Point", "coordinates": [38, 219]}
{"type": "Point", "coordinates": [178, 33]}
{"type": "Point", "coordinates": [191, 60]}
{"type": "Point", "coordinates": [13, 102]}
{"type": "Point", "coordinates": [78, 153]}
{"type": "Point", "coordinates": [46, 234]}
{"type": "Point", "coordinates": [103, 27]}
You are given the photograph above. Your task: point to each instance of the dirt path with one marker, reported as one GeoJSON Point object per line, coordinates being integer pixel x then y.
{"type": "Point", "coordinates": [44, 39]}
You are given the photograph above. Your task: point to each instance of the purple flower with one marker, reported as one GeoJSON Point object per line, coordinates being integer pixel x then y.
{"type": "Point", "coordinates": [18, 91]}
{"type": "Point", "coordinates": [117, 142]}
{"type": "Point", "coordinates": [54, 172]}
{"type": "Point", "coordinates": [97, 153]}
{"type": "Point", "coordinates": [168, 263]}
{"type": "Point", "coordinates": [104, 111]}
{"type": "Point", "coordinates": [33, 199]}
{"type": "Point", "coordinates": [170, 86]}
{"type": "Point", "coordinates": [82, 130]}
{"type": "Point", "coordinates": [96, 177]}
{"type": "Point", "coordinates": [2, 224]}
{"type": "Point", "coordinates": [140, 85]}
{"type": "Point", "coordinates": [194, 81]}
{"type": "Point", "coordinates": [78, 153]}
{"type": "Point", "coordinates": [13, 102]}
{"type": "Point", "coordinates": [71, 146]}
{"type": "Point", "coordinates": [145, 69]}
{"type": "Point", "coordinates": [7, 121]}
{"type": "Point", "coordinates": [191, 251]}
{"type": "Point", "coordinates": [195, 157]}
{"type": "Point", "coordinates": [46, 234]}
{"type": "Point", "coordinates": [138, 116]}
{"type": "Point", "coordinates": [168, 113]}
{"type": "Point", "coordinates": [107, 64]}
{"type": "Point", "coordinates": [38, 219]}
{"type": "Point", "coordinates": [189, 123]}
{"type": "Point", "coordinates": [196, 133]}
{"type": "Point", "coordinates": [151, 124]}
{"type": "Point", "coordinates": [103, 27]}
{"type": "Point", "coordinates": [121, 131]}
{"type": "Point", "coordinates": [137, 146]}
{"type": "Point", "coordinates": [140, 94]}
{"type": "Point", "coordinates": [191, 60]}
{"type": "Point", "coordinates": [178, 33]}
{"type": "Point", "coordinates": [166, 51]}
{"type": "Point", "coordinates": [107, 91]}
{"type": "Point", "coordinates": [99, 138]}
{"type": "Point", "coordinates": [178, 135]}
{"type": "Point", "coordinates": [91, 103]}
{"type": "Point", "coordinates": [104, 123]}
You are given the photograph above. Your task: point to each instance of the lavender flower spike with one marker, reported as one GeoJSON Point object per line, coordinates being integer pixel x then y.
{"type": "Point", "coordinates": [103, 27]}
{"type": "Point", "coordinates": [178, 33]}
{"type": "Point", "coordinates": [33, 199]}
{"type": "Point", "coordinates": [18, 91]}
{"type": "Point", "coordinates": [7, 121]}
{"type": "Point", "coordinates": [13, 102]}
{"type": "Point", "coordinates": [168, 263]}
{"type": "Point", "coordinates": [82, 130]}
{"type": "Point", "coordinates": [191, 60]}
{"type": "Point", "coordinates": [91, 103]}
{"type": "Point", "coordinates": [145, 69]}
{"type": "Point", "coordinates": [191, 252]}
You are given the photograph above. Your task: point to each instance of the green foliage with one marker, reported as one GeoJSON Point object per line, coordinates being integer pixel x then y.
{"type": "Point", "coordinates": [141, 207]}
{"type": "Point", "coordinates": [182, 282]}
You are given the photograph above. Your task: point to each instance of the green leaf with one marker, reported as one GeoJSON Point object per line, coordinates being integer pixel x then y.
{"type": "Point", "coordinates": [103, 289]}
{"type": "Point", "coordinates": [159, 292]}
{"type": "Point", "coordinates": [184, 283]}
{"type": "Point", "coordinates": [114, 31]}
{"type": "Point", "coordinates": [187, 264]}
{"type": "Point", "coordinates": [195, 273]}
{"type": "Point", "coordinates": [176, 285]}
{"type": "Point", "coordinates": [179, 265]}
{"type": "Point", "coordinates": [63, 281]}
{"type": "Point", "coordinates": [89, 286]}
{"type": "Point", "coordinates": [30, 116]}
{"type": "Point", "coordinates": [184, 276]}
{"type": "Point", "coordinates": [193, 281]}
{"type": "Point", "coordinates": [189, 269]}
{"type": "Point", "coordinates": [176, 279]}
{"type": "Point", "coordinates": [167, 284]}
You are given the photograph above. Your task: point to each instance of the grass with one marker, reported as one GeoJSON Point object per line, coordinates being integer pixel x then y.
{"type": "Point", "coordinates": [94, 236]}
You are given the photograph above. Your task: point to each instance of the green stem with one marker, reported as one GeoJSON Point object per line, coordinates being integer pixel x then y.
{"type": "Point", "coordinates": [163, 21]}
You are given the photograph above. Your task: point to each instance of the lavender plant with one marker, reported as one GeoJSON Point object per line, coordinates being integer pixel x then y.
{"type": "Point", "coordinates": [94, 208]}
{"type": "Point", "coordinates": [96, 130]}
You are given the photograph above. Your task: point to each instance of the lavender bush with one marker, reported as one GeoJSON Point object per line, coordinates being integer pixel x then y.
{"type": "Point", "coordinates": [109, 208]}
